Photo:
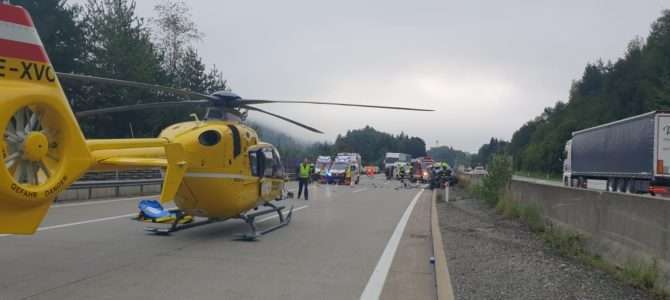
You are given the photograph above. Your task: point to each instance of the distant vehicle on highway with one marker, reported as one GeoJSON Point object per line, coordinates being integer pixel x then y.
{"type": "Point", "coordinates": [479, 171]}
{"type": "Point", "coordinates": [632, 154]}
{"type": "Point", "coordinates": [392, 161]}
{"type": "Point", "coordinates": [338, 170]}
{"type": "Point", "coordinates": [321, 166]}
{"type": "Point", "coordinates": [422, 168]}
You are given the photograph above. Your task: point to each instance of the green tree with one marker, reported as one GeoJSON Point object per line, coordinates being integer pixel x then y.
{"type": "Point", "coordinates": [499, 177]}
{"type": "Point", "coordinates": [453, 156]}
{"type": "Point", "coordinates": [61, 34]}
{"type": "Point", "coordinates": [175, 32]}
{"type": "Point", "coordinates": [119, 46]}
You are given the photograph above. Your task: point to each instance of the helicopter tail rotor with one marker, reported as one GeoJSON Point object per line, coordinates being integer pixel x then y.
{"type": "Point", "coordinates": [37, 125]}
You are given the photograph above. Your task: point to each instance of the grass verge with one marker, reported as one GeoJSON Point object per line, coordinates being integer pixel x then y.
{"type": "Point", "coordinates": [540, 175]}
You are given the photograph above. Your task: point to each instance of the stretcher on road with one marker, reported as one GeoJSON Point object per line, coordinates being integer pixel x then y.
{"type": "Point", "coordinates": [152, 211]}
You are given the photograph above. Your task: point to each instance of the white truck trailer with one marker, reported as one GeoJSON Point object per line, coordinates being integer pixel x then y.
{"type": "Point", "coordinates": [631, 155]}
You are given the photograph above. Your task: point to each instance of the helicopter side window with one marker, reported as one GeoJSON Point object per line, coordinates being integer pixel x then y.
{"type": "Point", "coordinates": [253, 163]}
{"type": "Point", "coordinates": [209, 138]}
{"type": "Point", "coordinates": [268, 163]}
{"type": "Point", "coordinates": [278, 167]}
{"type": "Point", "coordinates": [237, 147]}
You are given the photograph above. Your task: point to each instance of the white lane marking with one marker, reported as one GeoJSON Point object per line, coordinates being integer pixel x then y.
{"type": "Point", "coordinates": [85, 222]}
{"type": "Point", "coordinates": [373, 289]}
{"type": "Point", "coordinates": [361, 190]}
{"type": "Point", "coordinates": [100, 201]}
{"type": "Point", "coordinates": [80, 223]}
{"type": "Point", "coordinates": [130, 215]}
{"type": "Point", "coordinates": [285, 211]}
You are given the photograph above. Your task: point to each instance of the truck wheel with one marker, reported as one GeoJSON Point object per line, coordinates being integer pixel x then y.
{"type": "Point", "coordinates": [614, 185]}
{"type": "Point", "coordinates": [623, 185]}
{"type": "Point", "coordinates": [581, 182]}
{"type": "Point", "coordinates": [634, 187]}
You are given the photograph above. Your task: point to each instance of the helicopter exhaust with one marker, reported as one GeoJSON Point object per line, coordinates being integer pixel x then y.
{"type": "Point", "coordinates": [38, 127]}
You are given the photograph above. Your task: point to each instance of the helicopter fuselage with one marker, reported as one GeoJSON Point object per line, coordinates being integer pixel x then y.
{"type": "Point", "coordinates": [228, 170]}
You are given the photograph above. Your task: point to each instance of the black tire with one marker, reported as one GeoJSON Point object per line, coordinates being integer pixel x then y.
{"type": "Point", "coordinates": [633, 186]}
{"type": "Point", "coordinates": [623, 186]}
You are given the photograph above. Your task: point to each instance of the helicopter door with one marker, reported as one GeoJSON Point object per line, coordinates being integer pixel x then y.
{"type": "Point", "coordinates": [237, 146]}
{"type": "Point", "coordinates": [267, 172]}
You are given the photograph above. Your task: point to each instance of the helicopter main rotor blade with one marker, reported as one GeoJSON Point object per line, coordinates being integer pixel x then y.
{"type": "Point", "coordinates": [110, 81]}
{"type": "Point", "coordinates": [312, 129]}
{"type": "Point", "coordinates": [264, 101]}
{"type": "Point", "coordinates": [141, 106]}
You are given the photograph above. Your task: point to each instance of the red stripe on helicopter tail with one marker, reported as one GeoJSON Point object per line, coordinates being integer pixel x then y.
{"type": "Point", "coordinates": [15, 14]}
{"type": "Point", "coordinates": [23, 51]}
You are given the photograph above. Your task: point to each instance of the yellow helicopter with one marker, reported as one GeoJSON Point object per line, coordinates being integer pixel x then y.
{"type": "Point", "coordinates": [216, 168]}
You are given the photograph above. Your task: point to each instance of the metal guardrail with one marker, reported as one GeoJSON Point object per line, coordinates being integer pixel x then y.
{"type": "Point", "coordinates": [122, 175]}
{"type": "Point", "coordinates": [116, 184]}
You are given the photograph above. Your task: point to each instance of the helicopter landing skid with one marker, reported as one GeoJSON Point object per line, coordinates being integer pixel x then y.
{"type": "Point", "coordinates": [177, 227]}
{"type": "Point", "coordinates": [251, 218]}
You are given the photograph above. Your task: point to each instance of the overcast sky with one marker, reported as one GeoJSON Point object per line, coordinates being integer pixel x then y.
{"type": "Point", "coordinates": [485, 66]}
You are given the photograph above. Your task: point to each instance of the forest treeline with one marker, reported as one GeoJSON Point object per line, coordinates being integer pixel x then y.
{"type": "Point", "coordinates": [636, 83]}
{"type": "Point", "coordinates": [370, 143]}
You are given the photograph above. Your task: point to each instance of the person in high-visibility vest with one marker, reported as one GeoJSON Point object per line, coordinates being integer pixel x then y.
{"type": "Point", "coordinates": [303, 178]}
{"type": "Point", "coordinates": [445, 165]}
{"type": "Point", "coordinates": [349, 174]}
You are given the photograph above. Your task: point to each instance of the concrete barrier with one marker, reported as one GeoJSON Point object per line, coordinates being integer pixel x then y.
{"type": "Point", "coordinates": [622, 228]}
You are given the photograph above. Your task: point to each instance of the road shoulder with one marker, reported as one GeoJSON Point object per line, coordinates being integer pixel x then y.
{"type": "Point", "coordinates": [491, 257]}
{"type": "Point", "coordinates": [411, 275]}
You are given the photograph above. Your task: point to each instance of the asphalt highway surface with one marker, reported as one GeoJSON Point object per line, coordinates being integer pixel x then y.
{"type": "Point", "coordinates": [334, 248]}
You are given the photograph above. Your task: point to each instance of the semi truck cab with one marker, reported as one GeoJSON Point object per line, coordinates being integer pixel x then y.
{"type": "Point", "coordinates": [567, 154]}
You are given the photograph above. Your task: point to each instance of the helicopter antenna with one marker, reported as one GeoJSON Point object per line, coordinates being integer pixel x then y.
{"type": "Point", "coordinates": [195, 117]}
